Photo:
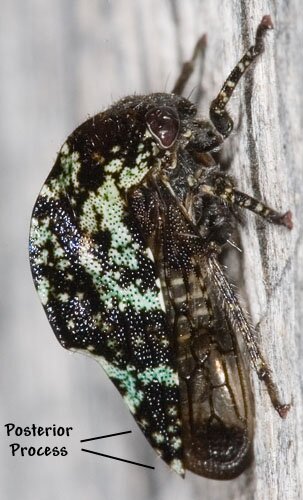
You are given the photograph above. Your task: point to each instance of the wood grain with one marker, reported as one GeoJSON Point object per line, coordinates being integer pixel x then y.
{"type": "Point", "coordinates": [63, 60]}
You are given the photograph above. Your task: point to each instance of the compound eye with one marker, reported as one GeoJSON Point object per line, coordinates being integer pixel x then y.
{"type": "Point", "coordinates": [163, 123]}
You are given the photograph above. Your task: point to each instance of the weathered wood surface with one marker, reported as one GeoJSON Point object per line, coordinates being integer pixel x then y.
{"type": "Point", "coordinates": [62, 60]}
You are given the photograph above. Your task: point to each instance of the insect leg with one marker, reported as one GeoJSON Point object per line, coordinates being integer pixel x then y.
{"type": "Point", "coordinates": [189, 66]}
{"type": "Point", "coordinates": [240, 325]}
{"type": "Point", "coordinates": [256, 206]}
{"type": "Point", "coordinates": [218, 114]}
{"type": "Point", "coordinates": [224, 189]}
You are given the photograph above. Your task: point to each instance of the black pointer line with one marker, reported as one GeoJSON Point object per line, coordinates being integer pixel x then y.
{"type": "Point", "coordinates": [102, 437]}
{"type": "Point", "coordinates": [116, 458]}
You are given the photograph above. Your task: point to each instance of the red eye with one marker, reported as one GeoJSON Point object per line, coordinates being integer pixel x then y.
{"type": "Point", "coordinates": [163, 124]}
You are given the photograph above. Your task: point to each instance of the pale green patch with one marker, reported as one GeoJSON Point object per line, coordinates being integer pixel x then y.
{"type": "Point", "coordinates": [164, 342]}
{"type": "Point", "coordinates": [64, 149]}
{"type": "Point", "coordinates": [142, 157]}
{"type": "Point", "coordinates": [107, 203]}
{"type": "Point", "coordinates": [127, 296]}
{"type": "Point", "coordinates": [64, 297]}
{"type": "Point", "coordinates": [46, 192]}
{"type": "Point", "coordinates": [58, 250]}
{"type": "Point", "coordinates": [122, 306]}
{"type": "Point", "coordinates": [139, 341]}
{"type": "Point", "coordinates": [126, 380]}
{"type": "Point", "coordinates": [159, 438]}
{"type": "Point", "coordinates": [43, 289]}
{"type": "Point", "coordinates": [40, 232]}
{"type": "Point", "coordinates": [172, 411]}
{"type": "Point", "coordinates": [70, 165]}
{"type": "Point", "coordinates": [177, 466]}
{"type": "Point", "coordinates": [130, 176]}
{"type": "Point", "coordinates": [176, 443]}
{"type": "Point", "coordinates": [97, 317]}
{"type": "Point", "coordinates": [113, 166]}
{"type": "Point", "coordinates": [112, 344]}
{"type": "Point", "coordinates": [123, 256]}
{"type": "Point", "coordinates": [143, 423]}
{"type": "Point", "coordinates": [42, 258]}
{"type": "Point", "coordinates": [89, 261]}
{"type": "Point", "coordinates": [88, 219]}
{"type": "Point", "coordinates": [162, 374]}
{"type": "Point", "coordinates": [71, 324]}
{"type": "Point", "coordinates": [62, 265]}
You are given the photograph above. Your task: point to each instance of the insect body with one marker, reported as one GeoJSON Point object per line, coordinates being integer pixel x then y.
{"type": "Point", "coordinates": [124, 246]}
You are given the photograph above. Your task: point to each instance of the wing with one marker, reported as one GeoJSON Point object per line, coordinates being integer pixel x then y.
{"type": "Point", "coordinates": [215, 395]}
{"type": "Point", "coordinates": [97, 283]}
{"type": "Point", "coordinates": [217, 405]}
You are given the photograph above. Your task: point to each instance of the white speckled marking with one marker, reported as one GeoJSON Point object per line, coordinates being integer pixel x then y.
{"type": "Point", "coordinates": [177, 466]}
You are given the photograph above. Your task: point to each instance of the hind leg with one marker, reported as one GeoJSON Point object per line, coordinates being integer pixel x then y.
{"type": "Point", "coordinates": [189, 66]}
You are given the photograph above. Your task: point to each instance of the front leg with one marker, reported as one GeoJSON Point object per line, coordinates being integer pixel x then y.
{"type": "Point", "coordinates": [223, 188]}
{"type": "Point", "coordinates": [218, 114]}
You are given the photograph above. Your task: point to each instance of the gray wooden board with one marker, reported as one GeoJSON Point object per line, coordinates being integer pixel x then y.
{"type": "Point", "coordinates": [62, 61]}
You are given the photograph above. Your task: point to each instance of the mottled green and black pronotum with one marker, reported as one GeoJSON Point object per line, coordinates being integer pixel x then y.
{"type": "Point", "coordinates": [124, 248]}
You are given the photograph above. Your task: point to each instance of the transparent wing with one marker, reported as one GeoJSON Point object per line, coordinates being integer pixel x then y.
{"type": "Point", "coordinates": [217, 407]}
{"type": "Point", "coordinates": [215, 395]}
